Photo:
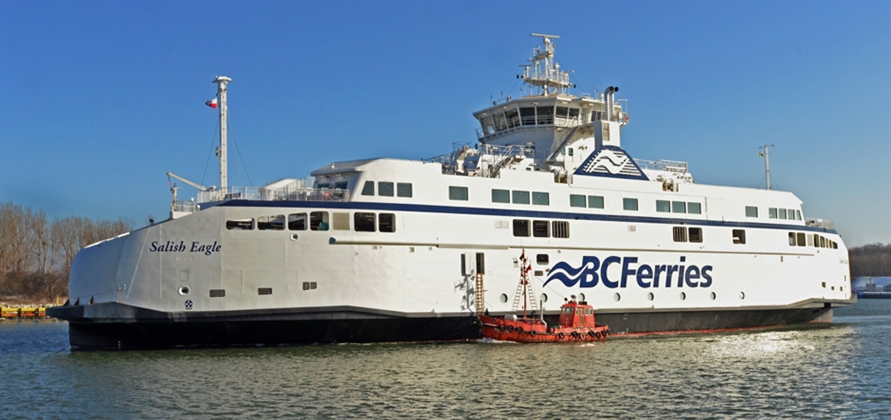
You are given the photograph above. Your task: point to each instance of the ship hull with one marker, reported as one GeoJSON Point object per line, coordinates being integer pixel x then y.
{"type": "Point", "coordinates": [145, 329]}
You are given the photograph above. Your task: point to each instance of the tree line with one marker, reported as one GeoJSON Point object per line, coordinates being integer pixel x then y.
{"type": "Point", "coordinates": [36, 252]}
{"type": "Point", "coordinates": [873, 260]}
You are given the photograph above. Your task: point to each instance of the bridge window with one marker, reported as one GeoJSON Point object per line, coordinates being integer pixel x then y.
{"type": "Point", "coordinates": [629, 204]}
{"type": "Point", "coordinates": [540, 229]}
{"type": "Point", "coordinates": [513, 119]}
{"type": "Point", "coordinates": [751, 211]}
{"type": "Point", "coordinates": [458, 193]}
{"type": "Point", "coordinates": [385, 189]}
{"type": "Point", "coordinates": [797, 214]}
{"type": "Point", "coordinates": [545, 114]}
{"type": "Point", "coordinates": [772, 213]}
{"type": "Point", "coordinates": [500, 123]}
{"type": "Point", "coordinates": [520, 197]}
{"type": "Point", "coordinates": [791, 214]}
{"type": "Point", "coordinates": [595, 202]}
{"type": "Point", "coordinates": [678, 207]}
{"type": "Point", "coordinates": [663, 206]}
{"type": "Point", "coordinates": [576, 200]}
{"type": "Point", "coordinates": [386, 222]}
{"type": "Point", "coordinates": [541, 198]}
{"type": "Point", "coordinates": [297, 221]}
{"type": "Point", "coordinates": [240, 224]}
{"type": "Point", "coordinates": [340, 185]}
{"type": "Point", "coordinates": [739, 236]}
{"type": "Point", "coordinates": [694, 208]}
{"type": "Point", "coordinates": [364, 222]}
{"type": "Point", "coordinates": [500, 196]}
{"type": "Point", "coordinates": [368, 188]}
{"type": "Point", "coordinates": [403, 189]}
{"type": "Point", "coordinates": [527, 116]}
{"type": "Point", "coordinates": [521, 227]}
{"type": "Point", "coordinates": [560, 229]}
{"type": "Point", "coordinates": [782, 213]}
{"type": "Point", "coordinates": [318, 220]}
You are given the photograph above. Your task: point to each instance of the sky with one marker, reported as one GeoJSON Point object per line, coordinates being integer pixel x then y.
{"type": "Point", "coordinates": [98, 100]}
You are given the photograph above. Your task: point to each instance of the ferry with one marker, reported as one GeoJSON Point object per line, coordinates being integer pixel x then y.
{"type": "Point", "coordinates": [396, 250]}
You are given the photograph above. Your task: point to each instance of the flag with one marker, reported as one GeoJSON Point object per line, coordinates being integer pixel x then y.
{"type": "Point", "coordinates": [211, 103]}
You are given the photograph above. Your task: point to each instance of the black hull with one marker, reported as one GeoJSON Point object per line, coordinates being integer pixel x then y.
{"type": "Point", "coordinates": [144, 329]}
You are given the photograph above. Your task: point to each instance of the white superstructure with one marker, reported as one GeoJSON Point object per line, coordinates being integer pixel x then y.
{"type": "Point", "coordinates": [392, 250]}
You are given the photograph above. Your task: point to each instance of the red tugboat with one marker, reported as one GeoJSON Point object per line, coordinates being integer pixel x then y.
{"type": "Point", "coordinates": [576, 321]}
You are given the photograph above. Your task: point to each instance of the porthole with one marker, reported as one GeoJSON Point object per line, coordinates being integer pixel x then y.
{"type": "Point", "coordinates": [503, 298]}
{"type": "Point", "coordinates": [617, 297]}
{"type": "Point", "coordinates": [183, 291]}
{"type": "Point", "coordinates": [683, 296]}
{"type": "Point", "coordinates": [544, 298]}
{"type": "Point", "coordinates": [742, 295]}
{"type": "Point", "coordinates": [650, 296]}
{"type": "Point", "coordinates": [581, 297]}
{"type": "Point", "coordinates": [713, 295]}
{"type": "Point", "coordinates": [294, 236]}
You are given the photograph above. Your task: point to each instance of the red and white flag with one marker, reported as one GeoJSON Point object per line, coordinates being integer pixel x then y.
{"type": "Point", "coordinates": [211, 103]}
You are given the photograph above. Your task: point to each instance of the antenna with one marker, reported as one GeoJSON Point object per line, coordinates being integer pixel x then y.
{"type": "Point", "coordinates": [766, 155]}
{"type": "Point", "coordinates": [222, 152]}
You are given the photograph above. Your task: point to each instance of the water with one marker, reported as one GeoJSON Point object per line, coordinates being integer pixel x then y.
{"type": "Point", "coordinates": [840, 370]}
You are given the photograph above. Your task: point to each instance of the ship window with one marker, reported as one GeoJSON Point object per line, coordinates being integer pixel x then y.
{"type": "Point", "coordinates": [527, 116]}
{"type": "Point", "coordinates": [240, 224]}
{"type": "Point", "coordinates": [695, 234]}
{"type": "Point", "coordinates": [595, 202]}
{"type": "Point", "coordinates": [810, 240]}
{"type": "Point", "coordinates": [368, 189]}
{"type": "Point", "coordinates": [500, 123]}
{"type": "Point", "coordinates": [341, 185]}
{"type": "Point", "coordinates": [751, 211]}
{"type": "Point", "coordinates": [520, 197]}
{"type": "Point", "coordinates": [324, 186]}
{"type": "Point", "coordinates": [739, 236]}
{"type": "Point", "coordinates": [297, 221]}
{"type": "Point", "coordinates": [386, 222]}
{"type": "Point", "coordinates": [791, 238]}
{"type": "Point", "coordinates": [464, 265]}
{"type": "Point", "coordinates": [403, 189]}
{"type": "Point", "coordinates": [694, 208]}
{"type": "Point", "coordinates": [318, 220]}
{"type": "Point", "coordinates": [678, 207]}
{"type": "Point", "coordinates": [573, 113]}
{"type": "Point", "coordinates": [217, 293]}
{"type": "Point", "coordinates": [541, 198]}
{"type": "Point", "coordinates": [800, 239]}
{"type": "Point", "coordinates": [797, 214]}
{"type": "Point", "coordinates": [542, 259]}
{"type": "Point", "coordinates": [271, 222]}
{"type": "Point", "coordinates": [576, 200]}
{"type": "Point", "coordinates": [822, 242]}
{"type": "Point", "coordinates": [264, 291]}
{"type": "Point", "coordinates": [458, 193]}
{"type": "Point", "coordinates": [545, 114]}
{"type": "Point", "coordinates": [816, 240]}
{"type": "Point", "coordinates": [772, 213]}
{"type": "Point", "coordinates": [834, 245]}
{"type": "Point", "coordinates": [782, 213]}
{"type": "Point", "coordinates": [341, 221]}
{"type": "Point", "coordinates": [629, 204]}
{"type": "Point", "coordinates": [500, 196]}
{"type": "Point", "coordinates": [521, 227]}
{"type": "Point", "coordinates": [310, 285]}
{"type": "Point", "coordinates": [569, 151]}
{"type": "Point", "coordinates": [513, 119]}
{"type": "Point", "coordinates": [560, 229]}
{"type": "Point", "coordinates": [363, 222]}
{"type": "Point", "coordinates": [540, 229]}
{"type": "Point", "coordinates": [488, 125]}
{"type": "Point", "coordinates": [385, 189]}
{"type": "Point", "coordinates": [663, 206]}
{"type": "Point", "coordinates": [791, 214]}
{"type": "Point", "coordinates": [562, 112]}
{"type": "Point", "coordinates": [680, 234]}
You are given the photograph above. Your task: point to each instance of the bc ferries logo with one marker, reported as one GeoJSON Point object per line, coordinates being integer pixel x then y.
{"type": "Point", "coordinates": [593, 271]}
{"type": "Point", "coordinates": [611, 161]}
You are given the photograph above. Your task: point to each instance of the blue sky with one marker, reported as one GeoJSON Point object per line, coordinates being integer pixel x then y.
{"type": "Point", "coordinates": [99, 99]}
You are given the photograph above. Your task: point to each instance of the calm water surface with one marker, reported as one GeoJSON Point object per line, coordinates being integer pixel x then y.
{"type": "Point", "coordinates": [841, 370]}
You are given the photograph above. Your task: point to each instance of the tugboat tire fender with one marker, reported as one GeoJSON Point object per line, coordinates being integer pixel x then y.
{"type": "Point", "coordinates": [510, 328]}
{"type": "Point", "coordinates": [532, 333]}
{"type": "Point", "coordinates": [560, 336]}
{"type": "Point", "coordinates": [520, 330]}
{"type": "Point", "coordinates": [502, 327]}
{"type": "Point", "coordinates": [591, 333]}
{"type": "Point", "coordinates": [550, 330]}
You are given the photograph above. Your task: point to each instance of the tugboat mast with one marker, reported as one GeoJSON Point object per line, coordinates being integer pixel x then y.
{"type": "Point", "coordinates": [222, 152]}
